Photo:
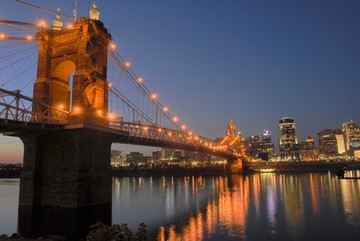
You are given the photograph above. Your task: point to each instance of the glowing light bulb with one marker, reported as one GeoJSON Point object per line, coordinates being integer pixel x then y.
{"type": "Point", "coordinates": [109, 84]}
{"type": "Point", "coordinates": [140, 80]}
{"type": "Point", "coordinates": [183, 127]}
{"type": "Point", "coordinates": [175, 119]}
{"type": "Point", "coordinates": [165, 109]}
{"type": "Point", "coordinates": [111, 116]}
{"type": "Point", "coordinates": [29, 37]}
{"type": "Point", "coordinates": [41, 23]}
{"type": "Point", "coordinates": [113, 46]}
{"type": "Point", "coordinates": [77, 110]}
{"type": "Point", "coordinates": [2, 36]}
{"type": "Point", "coordinates": [154, 96]}
{"type": "Point", "coordinates": [127, 64]}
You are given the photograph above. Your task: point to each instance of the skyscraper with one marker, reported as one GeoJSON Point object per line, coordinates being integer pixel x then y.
{"type": "Point", "coordinates": [288, 142]}
{"type": "Point", "coordinates": [351, 134]}
{"type": "Point", "coordinates": [266, 136]}
{"type": "Point", "coordinates": [331, 143]}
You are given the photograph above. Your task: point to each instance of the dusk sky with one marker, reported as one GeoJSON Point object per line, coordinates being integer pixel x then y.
{"type": "Point", "coordinates": [253, 61]}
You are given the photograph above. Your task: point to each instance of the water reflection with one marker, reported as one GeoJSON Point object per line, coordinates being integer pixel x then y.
{"type": "Point", "coordinates": [315, 206]}
{"type": "Point", "coordinates": [308, 206]}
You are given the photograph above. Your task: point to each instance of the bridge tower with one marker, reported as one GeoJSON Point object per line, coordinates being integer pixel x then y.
{"type": "Point", "coordinates": [80, 53]}
{"type": "Point", "coordinates": [69, 169]}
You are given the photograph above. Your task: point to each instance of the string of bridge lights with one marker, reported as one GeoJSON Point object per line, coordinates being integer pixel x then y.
{"type": "Point", "coordinates": [126, 64]}
{"type": "Point", "coordinates": [151, 95]}
{"type": "Point", "coordinates": [113, 46]}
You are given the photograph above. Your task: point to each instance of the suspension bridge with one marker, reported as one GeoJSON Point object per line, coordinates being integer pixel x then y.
{"type": "Point", "coordinates": [76, 96]}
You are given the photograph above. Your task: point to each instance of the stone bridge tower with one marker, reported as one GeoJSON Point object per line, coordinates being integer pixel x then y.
{"type": "Point", "coordinates": [80, 53]}
{"type": "Point", "coordinates": [67, 173]}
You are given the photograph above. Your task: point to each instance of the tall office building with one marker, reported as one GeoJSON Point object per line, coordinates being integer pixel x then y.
{"type": "Point", "coordinates": [266, 136]}
{"type": "Point", "coordinates": [288, 142]}
{"type": "Point", "coordinates": [351, 134]}
{"type": "Point", "coordinates": [264, 150]}
{"type": "Point", "coordinates": [331, 143]}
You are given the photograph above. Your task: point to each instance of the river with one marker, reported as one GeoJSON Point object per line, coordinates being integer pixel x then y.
{"type": "Point", "coordinates": [267, 206]}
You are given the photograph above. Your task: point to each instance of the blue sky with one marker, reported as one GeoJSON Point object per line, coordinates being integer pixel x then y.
{"type": "Point", "coordinates": [255, 61]}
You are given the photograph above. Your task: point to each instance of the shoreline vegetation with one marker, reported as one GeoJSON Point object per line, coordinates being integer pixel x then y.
{"type": "Point", "coordinates": [98, 232]}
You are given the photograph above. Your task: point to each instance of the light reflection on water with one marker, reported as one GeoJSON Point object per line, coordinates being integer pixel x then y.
{"type": "Point", "coordinates": [315, 206]}
{"type": "Point", "coordinates": [307, 206]}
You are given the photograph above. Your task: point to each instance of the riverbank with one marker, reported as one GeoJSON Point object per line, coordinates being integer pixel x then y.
{"type": "Point", "coordinates": [300, 166]}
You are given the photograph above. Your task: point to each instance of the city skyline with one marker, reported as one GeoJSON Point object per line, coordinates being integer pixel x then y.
{"type": "Point", "coordinates": [254, 62]}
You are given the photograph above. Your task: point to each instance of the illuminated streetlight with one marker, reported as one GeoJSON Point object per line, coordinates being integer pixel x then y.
{"type": "Point", "coordinates": [29, 37]}
{"type": "Point", "coordinates": [2, 36]}
{"type": "Point", "coordinates": [183, 127]}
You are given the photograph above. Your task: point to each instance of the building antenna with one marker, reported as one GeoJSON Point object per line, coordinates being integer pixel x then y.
{"type": "Point", "coordinates": [43, 9]}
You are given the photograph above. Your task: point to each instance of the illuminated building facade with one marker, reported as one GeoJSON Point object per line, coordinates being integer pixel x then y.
{"type": "Point", "coordinates": [250, 145]}
{"type": "Point", "coordinates": [308, 151]}
{"type": "Point", "coordinates": [288, 142]}
{"type": "Point", "coordinates": [330, 141]}
{"type": "Point", "coordinates": [257, 149]}
{"type": "Point", "coordinates": [135, 158]}
{"type": "Point", "coordinates": [351, 134]}
{"type": "Point", "coordinates": [266, 136]}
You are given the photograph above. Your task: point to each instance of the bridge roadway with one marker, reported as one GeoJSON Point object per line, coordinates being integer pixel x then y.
{"type": "Point", "coordinates": [17, 118]}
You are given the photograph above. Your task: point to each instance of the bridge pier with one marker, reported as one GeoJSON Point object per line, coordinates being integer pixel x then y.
{"type": "Point", "coordinates": [65, 183]}
{"type": "Point", "coordinates": [234, 166]}
{"type": "Point", "coordinates": [68, 168]}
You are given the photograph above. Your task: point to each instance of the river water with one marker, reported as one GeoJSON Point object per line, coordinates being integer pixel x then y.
{"type": "Point", "coordinates": [305, 206]}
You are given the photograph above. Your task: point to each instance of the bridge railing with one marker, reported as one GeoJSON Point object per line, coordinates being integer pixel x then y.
{"type": "Point", "coordinates": [156, 133]}
{"type": "Point", "coordinates": [17, 107]}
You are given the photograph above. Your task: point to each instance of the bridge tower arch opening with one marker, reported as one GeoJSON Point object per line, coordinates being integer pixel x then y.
{"type": "Point", "coordinates": [63, 79]}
